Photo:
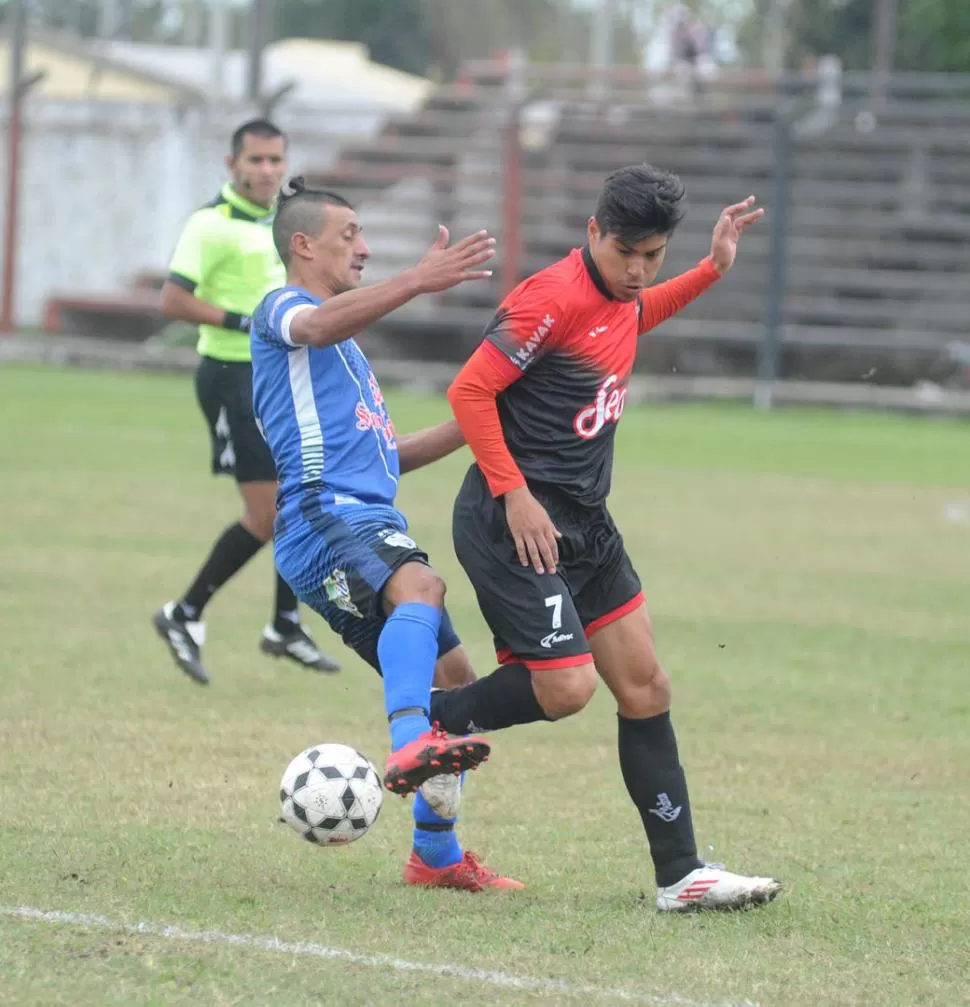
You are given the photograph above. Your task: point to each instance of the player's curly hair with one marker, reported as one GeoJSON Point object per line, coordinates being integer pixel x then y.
{"type": "Point", "coordinates": [639, 201]}
{"type": "Point", "coordinates": [301, 209]}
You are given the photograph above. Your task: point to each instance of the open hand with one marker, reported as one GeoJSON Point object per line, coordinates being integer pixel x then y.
{"type": "Point", "coordinates": [444, 267]}
{"type": "Point", "coordinates": [536, 537]}
{"type": "Point", "coordinates": [732, 223]}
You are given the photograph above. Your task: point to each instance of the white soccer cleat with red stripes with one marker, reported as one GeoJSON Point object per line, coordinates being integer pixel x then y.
{"type": "Point", "coordinates": [712, 887]}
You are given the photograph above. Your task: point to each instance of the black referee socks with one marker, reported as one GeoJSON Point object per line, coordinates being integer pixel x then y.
{"type": "Point", "coordinates": [234, 549]}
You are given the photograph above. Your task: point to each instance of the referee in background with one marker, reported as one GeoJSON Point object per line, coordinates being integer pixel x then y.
{"type": "Point", "coordinates": [224, 264]}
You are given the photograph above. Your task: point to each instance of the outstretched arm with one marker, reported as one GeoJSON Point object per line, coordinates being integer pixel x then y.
{"type": "Point", "coordinates": [347, 314]}
{"type": "Point", "coordinates": [427, 446]}
{"type": "Point", "coordinates": [661, 302]}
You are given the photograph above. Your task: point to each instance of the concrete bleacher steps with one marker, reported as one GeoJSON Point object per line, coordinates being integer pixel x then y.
{"type": "Point", "coordinates": [878, 260]}
{"type": "Point", "coordinates": [878, 249]}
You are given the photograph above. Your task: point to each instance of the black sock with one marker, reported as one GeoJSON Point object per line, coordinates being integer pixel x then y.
{"type": "Point", "coordinates": [655, 779]}
{"type": "Point", "coordinates": [287, 614]}
{"type": "Point", "coordinates": [503, 699]}
{"type": "Point", "coordinates": [234, 549]}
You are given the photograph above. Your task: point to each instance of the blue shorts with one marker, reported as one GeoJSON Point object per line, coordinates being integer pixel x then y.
{"type": "Point", "coordinates": [338, 558]}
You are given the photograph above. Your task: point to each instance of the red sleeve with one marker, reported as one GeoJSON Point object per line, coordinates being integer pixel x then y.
{"type": "Point", "coordinates": [659, 303]}
{"type": "Point", "coordinates": [528, 324]}
{"type": "Point", "coordinates": [472, 395]}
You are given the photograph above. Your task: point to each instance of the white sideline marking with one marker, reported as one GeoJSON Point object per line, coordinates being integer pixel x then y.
{"type": "Point", "coordinates": [309, 950]}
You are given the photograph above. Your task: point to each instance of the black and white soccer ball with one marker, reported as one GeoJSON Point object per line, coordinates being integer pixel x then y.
{"type": "Point", "coordinates": [331, 794]}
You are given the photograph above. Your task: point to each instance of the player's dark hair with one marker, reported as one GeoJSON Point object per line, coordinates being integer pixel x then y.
{"type": "Point", "coordinates": [301, 210]}
{"type": "Point", "coordinates": [254, 127]}
{"type": "Point", "coordinates": [639, 201]}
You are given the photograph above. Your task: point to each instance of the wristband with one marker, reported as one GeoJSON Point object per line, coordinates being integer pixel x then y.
{"type": "Point", "coordinates": [238, 323]}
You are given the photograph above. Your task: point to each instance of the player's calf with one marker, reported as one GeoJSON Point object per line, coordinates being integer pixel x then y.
{"type": "Point", "coordinates": [514, 695]}
{"type": "Point", "coordinates": [453, 669]}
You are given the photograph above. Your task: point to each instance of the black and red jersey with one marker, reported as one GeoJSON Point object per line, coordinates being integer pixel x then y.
{"type": "Point", "coordinates": [539, 400]}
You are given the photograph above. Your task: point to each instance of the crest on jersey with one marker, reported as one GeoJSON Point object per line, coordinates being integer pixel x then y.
{"type": "Point", "coordinates": [337, 591]}
{"type": "Point", "coordinates": [398, 540]}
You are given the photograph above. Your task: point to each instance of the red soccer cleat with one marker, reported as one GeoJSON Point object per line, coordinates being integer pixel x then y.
{"type": "Point", "coordinates": [469, 874]}
{"type": "Point", "coordinates": [433, 753]}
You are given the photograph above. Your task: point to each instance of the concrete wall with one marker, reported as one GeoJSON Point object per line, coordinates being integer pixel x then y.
{"type": "Point", "coordinates": [107, 186]}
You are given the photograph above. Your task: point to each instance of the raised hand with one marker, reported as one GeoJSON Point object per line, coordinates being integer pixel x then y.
{"type": "Point", "coordinates": [731, 224]}
{"type": "Point", "coordinates": [444, 267]}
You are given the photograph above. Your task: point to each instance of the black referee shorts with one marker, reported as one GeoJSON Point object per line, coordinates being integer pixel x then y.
{"type": "Point", "coordinates": [225, 393]}
{"type": "Point", "coordinates": [543, 620]}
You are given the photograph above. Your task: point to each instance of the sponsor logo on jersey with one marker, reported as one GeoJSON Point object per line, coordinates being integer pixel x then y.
{"type": "Point", "coordinates": [607, 408]}
{"type": "Point", "coordinates": [376, 418]}
{"type": "Point", "coordinates": [375, 390]}
{"type": "Point", "coordinates": [371, 419]}
{"type": "Point", "coordinates": [553, 638]}
{"type": "Point", "coordinates": [525, 353]}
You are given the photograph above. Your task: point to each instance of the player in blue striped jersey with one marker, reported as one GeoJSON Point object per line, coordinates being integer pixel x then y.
{"type": "Point", "coordinates": [340, 541]}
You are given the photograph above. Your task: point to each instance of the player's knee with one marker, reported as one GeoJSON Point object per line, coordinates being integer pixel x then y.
{"type": "Point", "coordinates": [258, 517]}
{"type": "Point", "coordinates": [415, 582]}
{"type": "Point", "coordinates": [647, 693]}
{"type": "Point", "coordinates": [259, 524]}
{"type": "Point", "coordinates": [561, 692]}
{"type": "Point", "coordinates": [430, 589]}
{"type": "Point", "coordinates": [259, 508]}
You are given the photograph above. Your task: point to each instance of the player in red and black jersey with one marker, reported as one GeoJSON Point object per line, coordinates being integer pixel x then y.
{"type": "Point", "coordinates": [538, 403]}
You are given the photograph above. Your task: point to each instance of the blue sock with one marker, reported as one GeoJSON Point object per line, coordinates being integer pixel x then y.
{"type": "Point", "coordinates": [405, 729]}
{"type": "Point", "coordinates": [437, 848]}
{"type": "Point", "coordinates": [407, 651]}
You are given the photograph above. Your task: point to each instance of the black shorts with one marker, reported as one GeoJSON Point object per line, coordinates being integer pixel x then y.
{"type": "Point", "coordinates": [544, 621]}
{"type": "Point", "coordinates": [225, 393]}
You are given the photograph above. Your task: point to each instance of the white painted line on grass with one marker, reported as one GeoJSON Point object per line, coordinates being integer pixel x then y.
{"type": "Point", "coordinates": [302, 949]}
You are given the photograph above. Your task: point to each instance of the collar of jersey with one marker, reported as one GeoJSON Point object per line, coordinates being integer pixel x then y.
{"type": "Point", "coordinates": [242, 209]}
{"type": "Point", "coordinates": [595, 275]}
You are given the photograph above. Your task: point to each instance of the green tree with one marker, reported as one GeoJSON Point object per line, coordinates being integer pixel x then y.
{"type": "Point", "coordinates": [932, 35]}
{"type": "Point", "coordinates": [419, 35]}
{"type": "Point", "coordinates": [395, 31]}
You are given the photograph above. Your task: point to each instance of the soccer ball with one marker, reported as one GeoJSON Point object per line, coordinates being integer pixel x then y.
{"type": "Point", "coordinates": [331, 794]}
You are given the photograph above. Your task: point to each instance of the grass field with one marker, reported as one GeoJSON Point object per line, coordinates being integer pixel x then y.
{"type": "Point", "coordinates": [811, 602]}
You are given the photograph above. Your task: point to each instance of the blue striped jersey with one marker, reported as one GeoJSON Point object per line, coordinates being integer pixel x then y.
{"type": "Point", "coordinates": [320, 409]}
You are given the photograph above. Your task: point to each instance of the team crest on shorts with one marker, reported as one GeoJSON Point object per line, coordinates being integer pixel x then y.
{"type": "Point", "coordinates": [338, 593]}
{"type": "Point", "coordinates": [398, 540]}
